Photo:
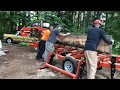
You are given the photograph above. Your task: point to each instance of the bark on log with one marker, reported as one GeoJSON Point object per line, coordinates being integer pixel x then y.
{"type": "Point", "coordinates": [79, 41]}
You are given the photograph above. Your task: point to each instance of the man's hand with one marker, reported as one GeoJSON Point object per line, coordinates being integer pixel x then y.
{"type": "Point", "coordinates": [64, 35]}
{"type": "Point", "coordinates": [68, 33]}
{"type": "Point", "coordinates": [113, 41]}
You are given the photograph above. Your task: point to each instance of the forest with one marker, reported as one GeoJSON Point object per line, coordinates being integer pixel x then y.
{"type": "Point", "coordinates": [75, 22]}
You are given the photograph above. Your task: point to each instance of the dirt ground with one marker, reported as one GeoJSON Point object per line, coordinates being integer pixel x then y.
{"type": "Point", "coordinates": [19, 63]}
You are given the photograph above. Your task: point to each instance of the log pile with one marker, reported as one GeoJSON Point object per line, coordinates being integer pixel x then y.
{"type": "Point", "coordinates": [79, 41]}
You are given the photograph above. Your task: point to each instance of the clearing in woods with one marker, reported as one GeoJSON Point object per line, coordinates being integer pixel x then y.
{"type": "Point", "coordinates": [19, 63]}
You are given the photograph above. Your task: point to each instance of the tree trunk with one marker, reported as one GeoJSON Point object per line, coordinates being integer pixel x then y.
{"type": "Point", "coordinates": [83, 21]}
{"type": "Point", "coordinates": [106, 22]}
{"type": "Point", "coordinates": [98, 14]}
{"type": "Point", "coordinates": [88, 19]}
{"type": "Point", "coordinates": [79, 41]}
{"type": "Point", "coordinates": [24, 18]}
{"type": "Point", "coordinates": [78, 22]}
{"type": "Point", "coordinates": [37, 15]}
{"type": "Point", "coordinates": [11, 21]}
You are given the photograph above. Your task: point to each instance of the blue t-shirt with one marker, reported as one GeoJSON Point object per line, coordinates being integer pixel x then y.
{"type": "Point", "coordinates": [53, 36]}
{"type": "Point", "coordinates": [94, 37]}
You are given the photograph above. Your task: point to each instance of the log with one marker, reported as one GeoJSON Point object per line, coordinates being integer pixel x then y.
{"type": "Point", "coordinates": [79, 41]}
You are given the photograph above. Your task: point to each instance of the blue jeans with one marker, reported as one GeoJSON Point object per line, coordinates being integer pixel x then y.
{"type": "Point", "coordinates": [41, 49]}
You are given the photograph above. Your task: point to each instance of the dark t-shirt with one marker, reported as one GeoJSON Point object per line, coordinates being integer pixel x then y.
{"type": "Point", "coordinates": [53, 36]}
{"type": "Point", "coordinates": [94, 37]}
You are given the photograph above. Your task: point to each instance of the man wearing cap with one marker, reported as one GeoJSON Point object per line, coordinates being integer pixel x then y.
{"type": "Point", "coordinates": [95, 34]}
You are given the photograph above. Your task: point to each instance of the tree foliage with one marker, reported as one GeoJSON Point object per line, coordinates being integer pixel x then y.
{"type": "Point", "coordinates": [76, 22]}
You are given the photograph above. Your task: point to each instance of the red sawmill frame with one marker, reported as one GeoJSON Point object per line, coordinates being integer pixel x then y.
{"type": "Point", "coordinates": [104, 60]}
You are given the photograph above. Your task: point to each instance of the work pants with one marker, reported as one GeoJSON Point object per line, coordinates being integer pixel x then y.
{"type": "Point", "coordinates": [49, 47]}
{"type": "Point", "coordinates": [91, 63]}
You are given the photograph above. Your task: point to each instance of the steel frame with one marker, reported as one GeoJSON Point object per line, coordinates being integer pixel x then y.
{"type": "Point", "coordinates": [105, 60]}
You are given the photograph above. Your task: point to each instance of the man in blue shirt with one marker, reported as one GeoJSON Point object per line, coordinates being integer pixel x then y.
{"type": "Point", "coordinates": [95, 34]}
{"type": "Point", "coordinates": [49, 46]}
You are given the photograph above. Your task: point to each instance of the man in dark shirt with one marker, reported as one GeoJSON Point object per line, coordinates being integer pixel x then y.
{"type": "Point", "coordinates": [55, 33]}
{"type": "Point", "coordinates": [95, 34]}
{"type": "Point", "coordinates": [49, 46]}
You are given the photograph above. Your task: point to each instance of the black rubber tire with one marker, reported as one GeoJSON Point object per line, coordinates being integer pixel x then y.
{"type": "Point", "coordinates": [9, 39]}
{"type": "Point", "coordinates": [73, 62]}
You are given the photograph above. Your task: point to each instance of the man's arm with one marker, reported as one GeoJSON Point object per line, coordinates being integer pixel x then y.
{"type": "Point", "coordinates": [103, 34]}
{"type": "Point", "coordinates": [62, 36]}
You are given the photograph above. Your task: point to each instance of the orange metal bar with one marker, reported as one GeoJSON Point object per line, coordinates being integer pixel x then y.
{"type": "Point", "coordinates": [62, 46]}
{"type": "Point", "coordinates": [78, 69]}
{"type": "Point", "coordinates": [104, 64]}
{"type": "Point", "coordinates": [81, 51]}
{"type": "Point", "coordinates": [44, 66]}
{"type": "Point", "coordinates": [57, 46]}
{"type": "Point", "coordinates": [60, 70]}
{"type": "Point", "coordinates": [60, 57]}
{"type": "Point", "coordinates": [105, 60]}
{"type": "Point", "coordinates": [78, 56]}
{"type": "Point", "coordinates": [77, 52]}
{"type": "Point", "coordinates": [118, 59]}
{"type": "Point", "coordinates": [70, 49]}
{"type": "Point", "coordinates": [117, 66]}
{"type": "Point", "coordinates": [60, 49]}
{"type": "Point", "coordinates": [49, 55]}
{"type": "Point", "coordinates": [103, 56]}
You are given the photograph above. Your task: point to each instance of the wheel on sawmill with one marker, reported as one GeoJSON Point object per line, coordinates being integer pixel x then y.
{"type": "Point", "coordinates": [69, 65]}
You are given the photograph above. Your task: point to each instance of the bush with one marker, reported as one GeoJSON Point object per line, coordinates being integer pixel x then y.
{"type": "Point", "coordinates": [116, 51]}
{"type": "Point", "coordinates": [117, 45]}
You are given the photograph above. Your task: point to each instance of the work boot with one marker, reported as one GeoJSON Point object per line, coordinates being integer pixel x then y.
{"type": "Point", "coordinates": [36, 58]}
{"type": "Point", "coordinates": [38, 63]}
{"type": "Point", "coordinates": [39, 59]}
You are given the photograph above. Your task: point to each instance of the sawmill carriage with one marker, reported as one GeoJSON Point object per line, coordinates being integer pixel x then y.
{"type": "Point", "coordinates": [71, 52]}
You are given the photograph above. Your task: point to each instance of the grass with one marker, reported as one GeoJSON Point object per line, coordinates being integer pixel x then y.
{"type": "Point", "coordinates": [116, 51]}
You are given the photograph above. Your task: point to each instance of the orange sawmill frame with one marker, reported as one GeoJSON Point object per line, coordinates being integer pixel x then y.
{"type": "Point", "coordinates": [104, 61]}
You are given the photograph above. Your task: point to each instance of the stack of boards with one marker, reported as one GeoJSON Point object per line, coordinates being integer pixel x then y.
{"type": "Point", "coordinates": [79, 41]}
